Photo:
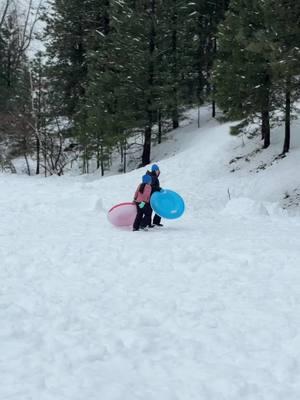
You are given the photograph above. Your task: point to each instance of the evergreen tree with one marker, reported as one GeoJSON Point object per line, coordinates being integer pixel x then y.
{"type": "Point", "coordinates": [110, 105]}
{"type": "Point", "coordinates": [129, 66]}
{"type": "Point", "coordinates": [200, 21]}
{"type": "Point", "coordinates": [66, 53]}
{"type": "Point", "coordinates": [40, 108]}
{"type": "Point", "coordinates": [15, 114]}
{"type": "Point", "coordinates": [282, 19]}
{"type": "Point", "coordinates": [70, 32]}
{"type": "Point", "coordinates": [126, 73]}
{"type": "Point", "coordinates": [243, 72]}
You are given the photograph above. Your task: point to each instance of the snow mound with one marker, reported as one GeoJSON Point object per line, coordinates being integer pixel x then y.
{"type": "Point", "coordinates": [245, 207]}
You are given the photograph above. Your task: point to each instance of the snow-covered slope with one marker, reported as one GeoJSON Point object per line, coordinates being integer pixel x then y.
{"type": "Point", "coordinates": [206, 307]}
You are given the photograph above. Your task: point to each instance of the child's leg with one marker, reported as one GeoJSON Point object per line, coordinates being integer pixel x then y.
{"type": "Point", "coordinates": [146, 221]}
{"type": "Point", "coordinates": [150, 213]}
{"type": "Point", "coordinates": [156, 219]}
{"type": "Point", "coordinates": [138, 218]}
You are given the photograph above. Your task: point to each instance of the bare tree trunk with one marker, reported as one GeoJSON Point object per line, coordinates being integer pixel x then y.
{"type": "Point", "coordinates": [45, 159]}
{"type": "Point", "coordinates": [27, 164]}
{"type": "Point", "coordinates": [121, 152]}
{"type": "Point", "coordinates": [200, 63]}
{"type": "Point", "coordinates": [38, 119]}
{"type": "Point", "coordinates": [147, 145]}
{"type": "Point", "coordinates": [102, 161]}
{"type": "Point", "coordinates": [125, 161]}
{"type": "Point", "coordinates": [265, 128]}
{"type": "Point", "coordinates": [213, 114]}
{"type": "Point", "coordinates": [98, 152]}
{"type": "Point", "coordinates": [4, 13]}
{"type": "Point", "coordinates": [213, 85]}
{"type": "Point", "coordinates": [106, 28]}
{"type": "Point", "coordinates": [148, 128]}
{"type": "Point", "coordinates": [287, 136]}
{"type": "Point", "coordinates": [85, 167]}
{"type": "Point", "coordinates": [265, 113]}
{"type": "Point", "coordinates": [98, 158]}
{"type": "Point", "coordinates": [175, 114]}
{"type": "Point", "coordinates": [36, 122]}
{"type": "Point", "coordinates": [159, 126]}
{"type": "Point", "coordinates": [38, 159]}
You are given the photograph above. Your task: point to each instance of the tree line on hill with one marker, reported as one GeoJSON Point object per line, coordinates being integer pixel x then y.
{"type": "Point", "coordinates": [116, 71]}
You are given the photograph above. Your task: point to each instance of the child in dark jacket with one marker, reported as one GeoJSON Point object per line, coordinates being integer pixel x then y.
{"type": "Point", "coordinates": [155, 185]}
{"type": "Point", "coordinates": [142, 201]}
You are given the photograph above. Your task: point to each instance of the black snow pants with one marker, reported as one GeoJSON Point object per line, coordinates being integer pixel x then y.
{"type": "Point", "coordinates": [143, 217]}
{"type": "Point", "coordinates": [156, 218]}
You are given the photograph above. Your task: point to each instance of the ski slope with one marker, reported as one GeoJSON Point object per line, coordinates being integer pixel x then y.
{"type": "Point", "coordinates": [205, 308]}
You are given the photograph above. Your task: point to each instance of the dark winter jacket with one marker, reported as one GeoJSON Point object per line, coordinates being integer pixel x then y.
{"type": "Point", "coordinates": [155, 185]}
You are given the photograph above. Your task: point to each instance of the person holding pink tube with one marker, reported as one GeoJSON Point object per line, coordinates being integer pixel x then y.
{"type": "Point", "coordinates": [142, 201]}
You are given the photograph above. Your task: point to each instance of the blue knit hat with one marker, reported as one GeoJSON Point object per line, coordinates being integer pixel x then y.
{"type": "Point", "coordinates": [147, 179]}
{"type": "Point", "coordinates": [154, 167]}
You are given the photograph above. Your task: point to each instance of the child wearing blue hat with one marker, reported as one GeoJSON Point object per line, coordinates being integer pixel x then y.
{"type": "Point", "coordinates": [142, 201]}
{"type": "Point", "coordinates": [155, 185]}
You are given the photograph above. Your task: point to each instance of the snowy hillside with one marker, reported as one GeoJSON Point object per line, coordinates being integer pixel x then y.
{"type": "Point", "coordinates": [205, 308]}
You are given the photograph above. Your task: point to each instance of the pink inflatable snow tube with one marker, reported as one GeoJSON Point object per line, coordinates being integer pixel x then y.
{"type": "Point", "coordinates": [122, 214]}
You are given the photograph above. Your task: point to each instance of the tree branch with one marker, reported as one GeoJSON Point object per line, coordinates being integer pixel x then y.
{"type": "Point", "coordinates": [4, 13]}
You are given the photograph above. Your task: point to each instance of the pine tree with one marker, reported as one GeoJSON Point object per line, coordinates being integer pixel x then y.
{"type": "Point", "coordinates": [110, 103]}
{"type": "Point", "coordinates": [40, 108]}
{"type": "Point", "coordinates": [66, 51]}
{"type": "Point", "coordinates": [125, 67]}
{"type": "Point", "coordinates": [169, 63]}
{"type": "Point", "coordinates": [196, 49]}
{"type": "Point", "coordinates": [132, 71]}
{"type": "Point", "coordinates": [149, 16]}
{"type": "Point", "coordinates": [243, 72]}
{"type": "Point", "coordinates": [282, 19]}
{"type": "Point", "coordinates": [70, 32]}
{"type": "Point", "coordinates": [15, 113]}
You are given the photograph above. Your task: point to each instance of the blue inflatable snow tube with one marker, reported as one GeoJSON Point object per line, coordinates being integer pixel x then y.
{"type": "Point", "coordinates": [167, 204]}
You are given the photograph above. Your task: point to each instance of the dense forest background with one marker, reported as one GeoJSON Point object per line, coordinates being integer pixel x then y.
{"type": "Point", "coordinates": [115, 76]}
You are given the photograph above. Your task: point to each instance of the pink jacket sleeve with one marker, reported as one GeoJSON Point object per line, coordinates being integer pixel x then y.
{"type": "Point", "coordinates": [136, 194]}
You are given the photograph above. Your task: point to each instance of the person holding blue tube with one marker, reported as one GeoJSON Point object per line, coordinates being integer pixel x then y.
{"type": "Point", "coordinates": [155, 185]}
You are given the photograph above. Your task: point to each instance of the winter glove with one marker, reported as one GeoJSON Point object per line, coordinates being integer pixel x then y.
{"type": "Point", "coordinates": [142, 204]}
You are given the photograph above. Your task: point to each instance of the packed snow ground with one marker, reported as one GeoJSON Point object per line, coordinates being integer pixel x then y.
{"type": "Point", "coordinates": [205, 308]}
